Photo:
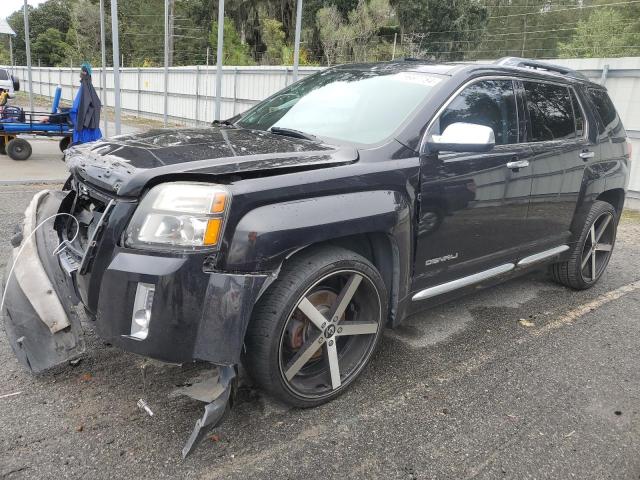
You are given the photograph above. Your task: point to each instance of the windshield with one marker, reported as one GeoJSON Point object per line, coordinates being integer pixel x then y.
{"type": "Point", "coordinates": [350, 105]}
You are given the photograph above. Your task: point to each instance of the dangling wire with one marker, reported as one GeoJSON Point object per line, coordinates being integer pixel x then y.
{"type": "Point", "coordinates": [24, 244]}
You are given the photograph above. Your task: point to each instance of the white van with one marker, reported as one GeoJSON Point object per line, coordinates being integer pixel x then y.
{"type": "Point", "coordinates": [8, 83]}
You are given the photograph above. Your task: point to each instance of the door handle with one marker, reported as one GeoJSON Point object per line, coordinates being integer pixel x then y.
{"type": "Point", "coordinates": [586, 154]}
{"type": "Point", "coordinates": [516, 164]}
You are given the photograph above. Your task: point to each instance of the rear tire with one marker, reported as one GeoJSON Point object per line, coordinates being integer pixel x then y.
{"type": "Point", "coordinates": [591, 253]}
{"type": "Point", "coordinates": [315, 329]}
{"type": "Point", "coordinates": [19, 149]}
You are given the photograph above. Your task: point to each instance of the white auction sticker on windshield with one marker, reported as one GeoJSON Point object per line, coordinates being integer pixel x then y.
{"type": "Point", "coordinates": [419, 78]}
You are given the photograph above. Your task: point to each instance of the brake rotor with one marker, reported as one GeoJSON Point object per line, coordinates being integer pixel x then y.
{"type": "Point", "coordinates": [300, 327]}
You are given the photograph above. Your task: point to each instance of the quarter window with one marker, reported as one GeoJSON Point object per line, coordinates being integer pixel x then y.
{"type": "Point", "coordinates": [605, 108]}
{"type": "Point", "coordinates": [550, 112]}
{"type": "Point", "coordinates": [490, 103]}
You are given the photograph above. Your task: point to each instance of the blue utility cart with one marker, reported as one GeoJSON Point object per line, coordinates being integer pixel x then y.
{"type": "Point", "coordinates": [15, 121]}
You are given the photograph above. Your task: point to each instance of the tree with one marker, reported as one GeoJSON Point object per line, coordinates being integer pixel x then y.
{"type": "Point", "coordinates": [357, 38]}
{"type": "Point", "coordinates": [604, 34]}
{"type": "Point", "coordinates": [446, 30]}
{"type": "Point", "coordinates": [365, 22]}
{"type": "Point", "coordinates": [334, 35]}
{"type": "Point", "coordinates": [50, 48]}
{"type": "Point", "coordinates": [234, 51]}
{"type": "Point", "coordinates": [273, 37]}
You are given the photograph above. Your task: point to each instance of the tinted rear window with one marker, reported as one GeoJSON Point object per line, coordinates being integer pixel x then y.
{"type": "Point", "coordinates": [4, 75]}
{"type": "Point", "coordinates": [550, 111]}
{"type": "Point", "coordinates": [606, 110]}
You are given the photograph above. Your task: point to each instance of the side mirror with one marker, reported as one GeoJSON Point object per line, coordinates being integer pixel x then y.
{"type": "Point", "coordinates": [463, 137]}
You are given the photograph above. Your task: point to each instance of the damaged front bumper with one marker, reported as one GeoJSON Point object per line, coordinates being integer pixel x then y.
{"type": "Point", "coordinates": [193, 314]}
{"type": "Point", "coordinates": [42, 325]}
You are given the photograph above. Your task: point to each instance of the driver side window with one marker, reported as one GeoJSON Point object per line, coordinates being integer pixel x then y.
{"type": "Point", "coordinates": [488, 102]}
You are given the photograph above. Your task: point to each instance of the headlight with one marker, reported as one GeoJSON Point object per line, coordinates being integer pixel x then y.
{"type": "Point", "coordinates": [179, 215]}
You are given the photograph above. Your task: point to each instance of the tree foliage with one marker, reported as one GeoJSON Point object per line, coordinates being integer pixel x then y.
{"type": "Point", "coordinates": [604, 34]}
{"type": "Point", "coordinates": [50, 47]}
{"type": "Point", "coordinates": [234, 51]}
{"type": "Point", "coordinates": [442, 30]}
{"type": "Point", "coordinates": [65, 32]}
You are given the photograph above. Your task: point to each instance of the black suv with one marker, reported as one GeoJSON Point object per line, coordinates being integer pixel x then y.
{"type": "Point", "coordinates": [290, 236]}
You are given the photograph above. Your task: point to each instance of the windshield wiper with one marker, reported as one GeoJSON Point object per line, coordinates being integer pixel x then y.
{"type": "Point", "coordinates": [290, 132]}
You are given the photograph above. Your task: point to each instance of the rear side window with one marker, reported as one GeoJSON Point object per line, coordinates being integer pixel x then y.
{"type": "Point", "coordinates": [605, 108]}
{"type": "Point", "coordinates": [4, 75]}
{"type": "Point", "coordinates": [550, 112]}
{"type": "Point", "coordinates": [488, 102]}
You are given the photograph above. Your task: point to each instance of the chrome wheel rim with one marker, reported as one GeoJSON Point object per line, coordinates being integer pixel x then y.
{"type": "Point", "coordinates": [330, 334]}
{"type": "Point", "coordinates": [597, 247]}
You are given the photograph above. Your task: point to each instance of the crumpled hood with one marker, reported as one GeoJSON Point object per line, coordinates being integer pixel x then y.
{"type": "Point", "coordinates": [124, 164]}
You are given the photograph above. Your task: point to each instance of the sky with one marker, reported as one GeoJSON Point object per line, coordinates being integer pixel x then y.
{"type": "Point", "coordinates": [10, 6]}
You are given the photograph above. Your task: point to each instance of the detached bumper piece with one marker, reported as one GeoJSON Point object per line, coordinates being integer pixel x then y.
{"type": "Point", "coordinates": [216, 390]}
{"type": "Point", "coordinates": [41, 324]}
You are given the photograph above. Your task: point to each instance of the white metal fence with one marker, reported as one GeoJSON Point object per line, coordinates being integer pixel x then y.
{"type": "Point", "coordinates": [192, 92]}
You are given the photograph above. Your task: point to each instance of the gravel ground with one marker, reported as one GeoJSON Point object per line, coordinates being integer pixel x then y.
{"type": "Point", "coordinates": [465, 390]}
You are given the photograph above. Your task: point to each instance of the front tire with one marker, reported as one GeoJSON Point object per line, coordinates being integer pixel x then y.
{"type": "Point", "coordinates": [591, 253]}
{"type": "Point", "coordinates": [315, 329]}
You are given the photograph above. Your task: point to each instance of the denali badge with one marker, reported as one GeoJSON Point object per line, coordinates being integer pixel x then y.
{"type": "Point", "coordinates": [446, 258]}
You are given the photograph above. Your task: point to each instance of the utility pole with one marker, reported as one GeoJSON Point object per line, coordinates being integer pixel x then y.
{"type": "Point", "coordinates": [524, 28]}
{"type": "Point", "coordinates": [524, 35]}
{"type": "Point", "coordinates": [28, 47]}
{"type": "Point", "coordinates": [395, 38]}
{"type": "Point", "coordinates": [116, 63]}
{"type": "Point", "coordinates": [172, 12]}
{"type": "Point", "coordinates": [296, 46]}
{"type": "Point", "coordinates": [219, 58]}
{"type": "Point", "coordinates": [166, 63]}
{"type": "Point", "coordinates": [103, 71]}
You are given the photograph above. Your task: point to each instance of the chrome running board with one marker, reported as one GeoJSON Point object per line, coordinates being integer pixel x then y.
{"type": "Point", "coordinates": [463, 282]}
{"type": "Point", "coordinates": [538, 257]}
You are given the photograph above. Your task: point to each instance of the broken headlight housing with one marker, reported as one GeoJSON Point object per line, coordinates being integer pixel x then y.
{"type": "Point", "coordinates": [179, 215]}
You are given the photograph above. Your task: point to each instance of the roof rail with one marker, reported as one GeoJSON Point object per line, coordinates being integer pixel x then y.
{"type": "Point", "coordinates": [535, 64]}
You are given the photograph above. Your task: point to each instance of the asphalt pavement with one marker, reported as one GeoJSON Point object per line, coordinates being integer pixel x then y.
{"type": "Point", "coordinates": [524, 380]}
